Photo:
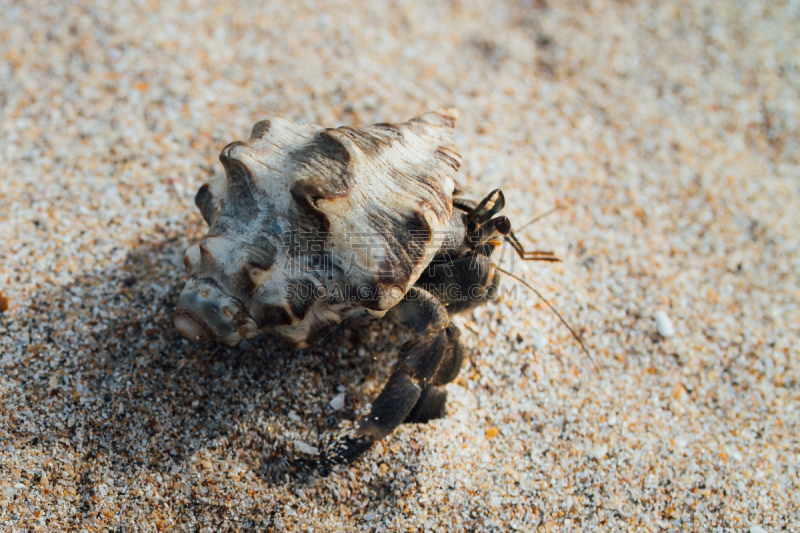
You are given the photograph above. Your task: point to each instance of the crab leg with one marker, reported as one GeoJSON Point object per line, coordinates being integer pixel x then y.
{"type": "Point", "coordinates": [412, 392]}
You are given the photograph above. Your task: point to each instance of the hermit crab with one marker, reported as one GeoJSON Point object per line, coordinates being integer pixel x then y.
{"type": "Point", "coordinates": [310, 226]}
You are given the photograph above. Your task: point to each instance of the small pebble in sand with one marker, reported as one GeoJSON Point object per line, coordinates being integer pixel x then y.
{"type": "Point", "coordinates": [307, 448]}
{"type": "Point", "coordinates": [539, 342]}
{"type": "Point", "coordinates": [757, 529]}
{"type": "Point", "coordinates": [664, 324]}
{"type": "Point", "coordinates": [338, 402]}
{"type": "Point", "coordinates": [599, 452]}
{"type": "Point", "coordinates": [3, 302]}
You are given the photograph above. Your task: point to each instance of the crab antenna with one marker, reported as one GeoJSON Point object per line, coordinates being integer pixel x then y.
{"type": "Point", "coordinates": [553, 309]}
{"type": "Point", "coordinates": [536, 219]}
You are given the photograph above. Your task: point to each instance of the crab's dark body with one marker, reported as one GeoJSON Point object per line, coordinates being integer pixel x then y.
{"type": "Point", "coordinates": [310, 226]}
{"type": "Point", "coordinates": [461, 276]}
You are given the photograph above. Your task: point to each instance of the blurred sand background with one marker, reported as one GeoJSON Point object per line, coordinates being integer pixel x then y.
{"type": "Point", "coordinates": [668, 130]}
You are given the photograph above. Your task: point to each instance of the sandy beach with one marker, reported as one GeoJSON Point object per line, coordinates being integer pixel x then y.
{"type": "Point", "coordinates": [668, 133]}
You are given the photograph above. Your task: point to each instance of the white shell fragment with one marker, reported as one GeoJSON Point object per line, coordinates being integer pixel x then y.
{"type": "Point", "coordinates": [338, 402]}
{"type": "Point", "coordinates": [306, 448]}
{"type": "Point", "coordinates": [539, 342]}
{"type": "Point", "coordinates": [664, 324]}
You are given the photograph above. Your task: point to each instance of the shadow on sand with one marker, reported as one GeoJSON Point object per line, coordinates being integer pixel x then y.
{"type": "Point", "coordinates": [106, 376]}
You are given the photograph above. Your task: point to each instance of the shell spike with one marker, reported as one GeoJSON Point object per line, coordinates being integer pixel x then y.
{"type": "Point", "coordinates": [234, 159]}
{"type": "Point", "coordinates": [445, 118]}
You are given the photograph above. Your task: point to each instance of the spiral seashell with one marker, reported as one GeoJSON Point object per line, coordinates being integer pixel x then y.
{"type": "Point", "coordinates": [311, 225]}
